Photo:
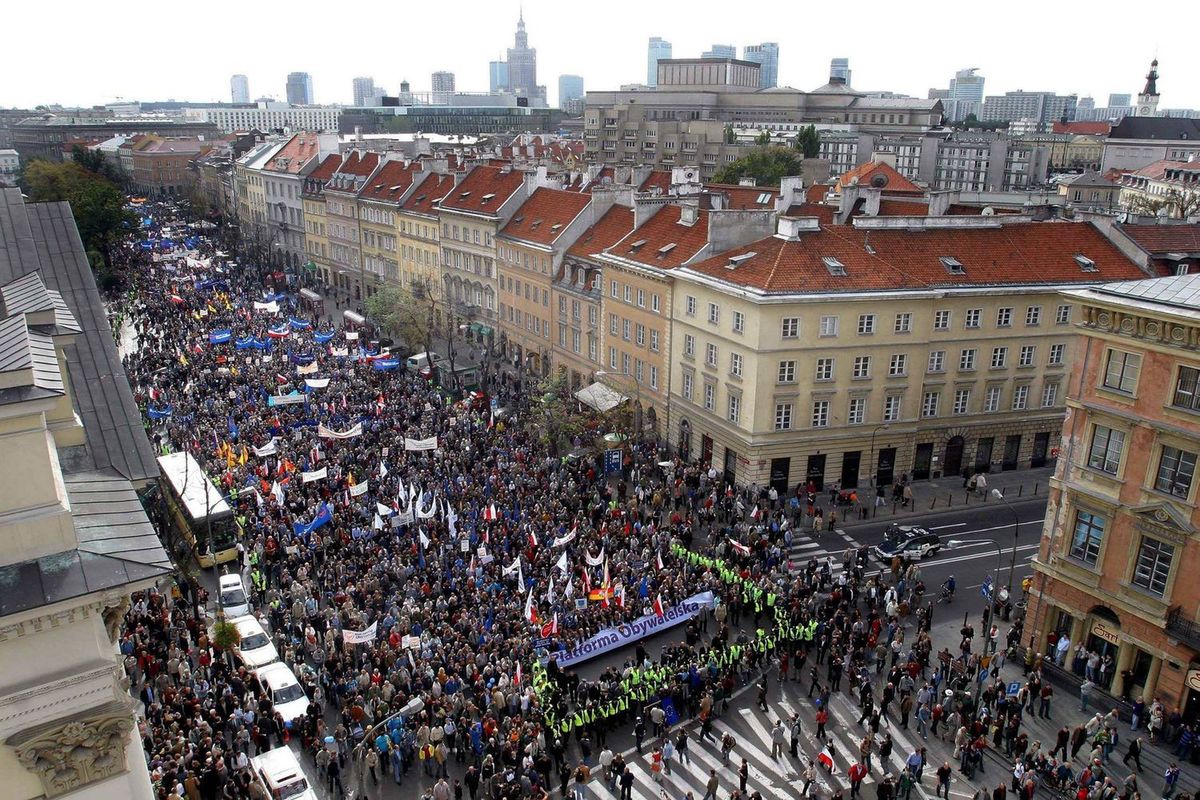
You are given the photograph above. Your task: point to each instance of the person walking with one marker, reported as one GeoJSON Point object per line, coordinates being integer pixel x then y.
{"type": "Point", "coordinates": [778, 739]}
{"type": "Point", "coordinates": [681, 747]}
{"type": "Point", "coordinates": [710, 786]}
{"type": "Point", "coordinates": [743, 775]}
{"type": "Point", "coordinates": [1170, 780]}
{"type": "Point", "coordinates": [1135, 752]}
{"type": "Point", "coordinates": [1085, 693]}
{"type": "Point", "coordinates": [944, 773]}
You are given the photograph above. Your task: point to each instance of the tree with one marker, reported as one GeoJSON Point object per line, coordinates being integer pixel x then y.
{"type": "Point", "coordinates": [763, 139]}
{"type": "Point", "coordinates": [405, 312]}
{"type": "Point", "coordinates": [808, 141]}
{"type": "Point", "coordinates": [1174, 203]}
{"type": "Point", "coordinates": [95, 161]}
{"type": "Point", "coordinates": [767, 165]}
{"type": "Point", "coordinates": [96, 202]}
{"type": "Point", "coordinates": [553, 414]}
{"type": "Point", "coordinates": [225, 635]}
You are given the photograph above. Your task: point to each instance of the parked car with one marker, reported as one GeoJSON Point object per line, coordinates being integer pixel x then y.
{"type": "Point", "coordinates": [232, 595]}
{"type": "Point", "coordinates": [280, 773]}
{"type": "Point", "coordinates": [287, 695]}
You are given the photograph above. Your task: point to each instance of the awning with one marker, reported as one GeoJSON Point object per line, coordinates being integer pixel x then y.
{"type": "Point", "coordinates": [310, 266]}
{"type": "Point", "coordinates": [481, 329]}
{"type": "Point", "coordinates": [600, 397]}
{"type": "Point", "coordinates": [353, 318]}
{"type": "Point", "coordinates": [309, 294]}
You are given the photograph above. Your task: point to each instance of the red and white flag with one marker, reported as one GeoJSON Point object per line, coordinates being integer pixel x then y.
{"type": "Point", "coordinates": [532, 539]}
{"type": "Point", "coordinates": [605, 587]}
{"type": "Point", "coordinates": [587, 581]}
{"type": "Point", "coordinates": [619, 596]}
{"type": "Point", "coordinates": [489, 513]}
{"type": "Point", "coordinates": [658, 606]}
{"type": "Point", "coordinates": [658, 562]}
{"type": "Point", "coordinates": [741, 548]}
{"type": "Point", "coordinates": [530, 611]}
{"type": "Point", "coordinates": [756, 514]}
{"type": "Point", "coordinates": [551, 627]}
{"type": "Point", "coordinates": [517, 678]}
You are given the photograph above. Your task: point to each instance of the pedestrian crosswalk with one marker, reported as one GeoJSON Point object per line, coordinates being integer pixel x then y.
{"type": "Point", "coordinates": [825, 546]}
{"type": "Point", "coordinates": [766, 774]}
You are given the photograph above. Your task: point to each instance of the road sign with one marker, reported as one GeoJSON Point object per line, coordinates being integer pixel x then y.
{"type": "Point", "coordinates": [612, 461]}
{"type": "Point", "coordinates": [1014, 688]}
{"type": "Point", "coordinates": [983, 673]}
{"type": "Point", "coordinates": [986, 588]}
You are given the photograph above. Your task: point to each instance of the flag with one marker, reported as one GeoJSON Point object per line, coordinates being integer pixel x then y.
{"type": "Point", "coordinates": [619, 596]}
{"type": "Point", "coordinates": [489, 512]}
{"type": "Point", "coordinates": [532, 540]}
{"type": "Point", "coordinates": [756, 514]}
{"type": "Point", "coordinates": [384, 511]}
{"type": "Point", "coordinates": [530, 611]}
{"type": "Point", "coordinates": [605, 589]}
{"type": "Point", "coordinates": [658, 606]}
{"type": "Point", "coordinates": [424, 539]}
{"type": "Point", "coordinates": [587, 581]}
{"type": "Point", "coordinates": [658, 562]}
{"type": "Point", "coordinates": [324, 516]}
{"type": "Point", "coordinates": [826, 758]}
{"type": "Point", "coordinates": [492, 418]}
{"type": "Point", "coordinates": [517, 678]}
{"type": "Point", "coordinates": [741, 548]}
{"type": "Point", "coordinates": [550, 628]}
{"type": "Point", "coordinates": [277, 493]}
{"type": "Point", "coordinates": [644, 588]}
{"type": "Point", "coordinates": [383, 470]}
{"type": "Point", "coordinates": [562, 562]}
{"type": "Point", "coordinates": [570, 592]}
{"type": "Point", "coordinates": [550, 592]}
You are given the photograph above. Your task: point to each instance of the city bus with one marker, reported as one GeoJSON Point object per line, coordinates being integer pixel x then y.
{"type": "Point", "coordinates": [198, 509]}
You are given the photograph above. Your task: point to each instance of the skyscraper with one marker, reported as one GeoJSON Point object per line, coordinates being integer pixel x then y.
{"type": "Point", "coordinates": [965, 96]}
{"type": "Point", "coordinates": [659, 48]}
{"type": "Point", "coordinates": [364, 92]}
{"type": "Point", "coordinates": [570, 87]}
{"type": "Point", "coordinates": [299, 89]}
{"type": "Point", "coordinates": [497, 76]}
{"type": "Point", "coordinates": [720, 51]}
{"type": "Point", "coordinates": [767, 55]}
{"type": "Point", "coordinates": [522, 64]}
{"type": "Point", "coordinates": [443, 81]}
{"type": "Point", "coordinates": [239, 89]}
{"type": "Point", "coordinates": [840, 68]}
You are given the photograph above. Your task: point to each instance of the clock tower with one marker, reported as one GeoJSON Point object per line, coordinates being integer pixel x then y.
{"type": "Point", "coordinates": [1147, 101]}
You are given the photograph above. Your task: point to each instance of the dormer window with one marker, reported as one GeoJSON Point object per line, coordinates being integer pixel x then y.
{"type": "Point", "coordinates": [633, 247]}
{"type": "Point", "coordinates": [836, 268]}
{"type": "Point", "coordinates": [953, 265]}
{"type": "Point", "coordinates": [486, 197]}
{"type": "Point", "coordinates": [737, 261]}
{"type": "Point", "coordinates": [1085, 263]}
{"type": "Point", "coordinates": [666, 248]}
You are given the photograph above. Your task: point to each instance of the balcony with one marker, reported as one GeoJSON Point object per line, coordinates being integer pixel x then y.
{"type": "Point", "coordinates": [1184, 629]}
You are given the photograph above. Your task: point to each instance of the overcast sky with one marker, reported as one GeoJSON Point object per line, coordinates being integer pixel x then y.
{"type": "Point", "coordinates": [187, 51]}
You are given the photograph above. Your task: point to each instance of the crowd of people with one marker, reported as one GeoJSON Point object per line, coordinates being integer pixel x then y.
{"type": "Point", "coordinates": [468, 561]}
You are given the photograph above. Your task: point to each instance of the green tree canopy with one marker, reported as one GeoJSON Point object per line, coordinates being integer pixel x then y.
{"type": "Point", "coordinates": [767, 165]}
{"type": "Point", "coordinates": [97, 203]}
{"type": "Point", "coordinates": [808, 141]}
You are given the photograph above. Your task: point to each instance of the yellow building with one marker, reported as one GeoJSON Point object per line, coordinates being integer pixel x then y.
{"type": "Point", "coordinates": [342, 224]}
{"type": "Point", "coordinates": [316, 239]}
{"type": "Point", "coordinates": [852, 353]}
{"type": "Point", "coordinates": [379, 202]}
{"type": "Point", "coordinates": [418, 234]}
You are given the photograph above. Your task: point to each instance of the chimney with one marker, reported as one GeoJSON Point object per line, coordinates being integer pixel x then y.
{"type": "Point", "coordinates": [846, 203]}
{"type": "Point", "coordinates": [358, 137]}
{"type": "Point", "coordinates": [873, 196]}
{"type": "Point", "coordinates": [688, 214]}
{"type": "Point", "coordinates": [747, 180]}
{"type": "Point", "coordinates": [791, 192]}
{"type": "Point", "coordinates": [939, 203]}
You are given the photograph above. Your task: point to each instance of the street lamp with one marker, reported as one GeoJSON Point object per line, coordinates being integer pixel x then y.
{"type": "Point", "coordinates": [1012, 564]}
{"type": "Point", "coordinates": [874, 469]}
{"type": "Point", "coordinates": [956, 544]}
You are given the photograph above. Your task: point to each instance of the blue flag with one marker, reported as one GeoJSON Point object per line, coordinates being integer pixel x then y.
{"type": "Point", "coordinates": [322, 338]}
{"type": "Point", "coordinates": [220, 337]}
{"type": "Point", "coordinates": [644, 588]}
{"type": "Point", "coordinates": [323, 517]}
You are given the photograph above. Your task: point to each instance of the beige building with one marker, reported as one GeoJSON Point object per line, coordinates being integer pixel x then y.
{"type": "Point", "coordinates": [341, 217]}
{"type": "Point", "coordinates": [75, 541]}
{"type": "Point", "coordinates": [471, 216]}
{"type": "Point", "coordinates": [418, 234]}
{"type": "Point", "coordinates": [251, 196]}
{"type": "Point", "coordinates": [379, 203]}
{"type": "Point", "coordinates": [918, 346]}
{"type": "Point", "coordinates": [316, 223]}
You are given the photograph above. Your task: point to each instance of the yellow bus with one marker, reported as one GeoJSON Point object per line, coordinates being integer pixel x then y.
{"type": "Point", "coordinates": [198, 509]}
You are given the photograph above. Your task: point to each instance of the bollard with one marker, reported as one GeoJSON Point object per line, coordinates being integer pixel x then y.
{"type": "Point", "coordinates": [949, 499]}
{"type": "Point", "coordinates": [1035, 489]}
{"type": "Point", "coordinates": [1020, 490]}
{"type": "Point", "coordinates": [932, 503]}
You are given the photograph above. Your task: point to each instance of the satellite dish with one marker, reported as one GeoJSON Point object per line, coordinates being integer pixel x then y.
{"type": "Point", "coordinates": [988, 211]}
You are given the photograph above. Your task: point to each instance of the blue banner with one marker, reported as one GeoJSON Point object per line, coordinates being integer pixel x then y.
{"type": "Point", "coordinates": [159, 413]}
{"type": "Point", "coordinates": [668, 706]}
{"type": "Point", "coordinates": [385, 364]}
{"type": "Point", "coordinates": [322, 338]}
{"type": "Point", "coordinates": [299, 324]}
{"type": "Point", "coordinates": [220, 337]}
{"type": "Point", "coordinates": [323, 517]}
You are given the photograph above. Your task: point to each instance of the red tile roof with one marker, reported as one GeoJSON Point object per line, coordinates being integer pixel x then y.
{"type": "Point", "coordinates": [298, 151]}
{"type": "Point", "coordinates": [325, 170]}
{"type": "Point", "coordinates": [484, 190]}
{"type": "Point", "coordinates": [359, 164]}
{"type": "Point", "coordinates": [1159, 239]}
{"type": "Point", "coordinates": [610, 229]}
{"type": "Point", "coordinates": [745, 198]}
{"type": "Point", "coordinates": [816, 193]}
{"type": "Point", "coordinates": [390, 183]}
{"type": "Point", "coordinates": [819, 210]}
{"type": "Point", "coordinates": [665, 242]}
{"type": "Point", "coordinates": [657, 178]}
{"type": "Point", "coordinates": [881, 176]}
{"type": "Point", "coordinates": [537, 217]}
{"type": "Point", "coordinates": [424, 198]}
{"type": "Point", "coordinates": [1023, 253]}
{"type": "Point", "coordinates": [1082, 127]}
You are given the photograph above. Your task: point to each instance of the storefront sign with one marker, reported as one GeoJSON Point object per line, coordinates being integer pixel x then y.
{"type": "Point", "coordinates": [1105, 631]}
{"type": "Point", "coordinates": [1192, 679]}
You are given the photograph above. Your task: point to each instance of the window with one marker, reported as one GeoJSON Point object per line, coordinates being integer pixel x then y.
{"type": "Point", "coordinates": [1062, 315]}
{"type": "Point", "coordinates": [891, 407]}
{"type": "Point", "coordinates": [1121, 372]}
{"type": "Point", "coordinates": [829, 326]}
{"type": "Point", "coordinates": [690, 306]}
{"type": "Point", "coordinates": [735, 364]}
{"type": "Point", "coordinates": [687, 385]}
{"type": "Point", "coordinates": [653, 377]}
{"type": "Point", "coordinates": [783, 416]}
{"type": "Point", "coordinates": [641, 298]}
{"type": "Point", "coordinates": [992, 399]}
{"type": "Point", "coordinates": [638, 370]}
{"type": "Point", "coordinates": [857, 410]}
{"type": "Point", "coordinates": [999, 357]}
{"type": "Point", "coordinates": [1028, 352]}
{"type": "Point", "coordinates": [787, 371]}
{"type": "Point", "coordinates": [866, 324]}
{"type": "Point", "coordinates": [1020, 398]}
{"type": "Point", "coordinates": [1107, 445]}
{"type": "Point", "coordinates": [1153, 565]}
{"type": "Point", "coordinates": [654, 340]}
{"type": "Point", "coordinates": [820, 414]}
{"type": "Point", "coordinates": [1187, 389]}
{"type": "Point", "coordinates": [626, 327]}
{"type": "Point", "coordinates": [898, 364]}
{"type": "Point", "coordinates": [862, 367]}
{"type": "Point", "coordinates": [824, 369]}
{"type": "Point", "coordinates": [972, 317]}
{"type": "Point", "coordinates": [937, 361]}
{"type": "Point", "coordinates": [903, 322]}
{"type": "Point", "coordinates": [710, 354]}
{"type": "Point", "coordinates": [1049, 395]}
{"type": "Point", "coordinates": [710, 396]}
{"type": "Point", "coordinates": [714, 313]}
{"type": "Point", "coordinates": [639, 335]}
{"type": "Point", "coordinates": [1087, 538]}
{"type": "Point", "coordinates": [941, 320]}
{"type": "Point", "coordinates": [614, 324]}
{"type": "Point", "coordinates": [739, 322]}
{"type": "Point", "coordinates": [1056, 354]}
{"type": "Point", "coordinates": [612, 289]}
{"type": "Point", "coordinates": [929, 404]}
{"type": "Point", "coordinates": [966, 359]}
{"type": "Point", "coordinates": [689, 345]}
{"type": "Point", "coordinates": [1033, 315]}
{"type": "Point", "coordinates": [1003, 317]}
{"type": "Point", "coordinates": [790, 327]}
{"type": "Point", "coordinates": [655, 303]}
{"type": "Point", "coordinates": [962, 400]}
{"type": "Point", "coordinates": [1175, 470]}
{"type": "Point", "coordinates": [612, 358]}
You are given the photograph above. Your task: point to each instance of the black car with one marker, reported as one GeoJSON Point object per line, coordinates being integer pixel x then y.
{"type": "Point", "coordinates": [908, 541]}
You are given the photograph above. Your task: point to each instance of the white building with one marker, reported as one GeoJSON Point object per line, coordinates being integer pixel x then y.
{"type": "Point", "coordinates": [239, 89]}
{"type": "Point", "coordinates": [269, 116]}
{"type": "Point", "coordinates": [10, 167]}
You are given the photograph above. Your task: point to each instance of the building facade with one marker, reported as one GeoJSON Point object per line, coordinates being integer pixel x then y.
{"type": "Point", "coordinates": [418, 236]}
{"type": "Point", "coordinates": [1045, 108]}
{"type": "Point", "coordinates": [299, 89]}
{"type": "Point", "coordinates": [364, 91]}
{"type": "Point", "coordinates": [316, 231]}
{"type": "Point", "coordinates": [812, 356]}
{"type": "Point", "coordinates": [239, 89]}
{"type": "Point", "coordinates": [283, 188]}
{"type": "Point", "coordinates": [766, 55]}
{"type": "Point", "coordinates": [657, 50]}
{"type": "Point", "coordinates": [1119, 543]}
{"type": "Point", "coordinates": [522, 65]}
{"type": "Point", "coordinates": [342, 222]}
{"type": "Point", "coordinates": [570, 87]}
{"type": "Point", "coordinates": [840, 68]}
{"type": "Point", "coordinates": [268, 117]}
{"type": "Point", "coordinates": [379, 204]}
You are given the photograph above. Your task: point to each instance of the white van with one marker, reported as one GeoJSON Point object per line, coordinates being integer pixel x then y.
{"type": "Point", "coordinates": [255, 648]}
{"type": "Point", "coordinates": [287, 695]}
{"type": "Point", "coordinates": [280, 773]}
{"type": "Point", "coordinates": [232, 593]}
{"type": "Point", "coordinates": [420, 361]}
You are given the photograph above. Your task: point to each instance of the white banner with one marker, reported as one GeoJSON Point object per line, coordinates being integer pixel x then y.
{"type": "Point", "coordinates": [597, 561]}
{"type": "Point", "coordinates": [360, 637]}
{"type": "Point", "coordinates": [351, 335]}
{"type": "Point", "coordinates": [329, 433]}
{"type": "Point", "coordinates": [403, 518]}
{"type": "Point", "coordinates": [421, 444]}
{"type": "Point", "coordinates": [640, 628]}
{"type": "Point", "coordinates": [267, 449]}
{"type": "Point", "coordinates": [309, 477]}
{"type": "Point", "coordinates": [271, 307]}
{"type": "Point", "coordinates": [316, 383]}
{"type": "Point", "coordinates": [338, 351]}
{"type": "Point", "coordinates": [285, 399]}
{"type": "Point", "coordinates": [570, 537]}
{"type": "Point", "coordinates": [358, 489]}
{"type": "Point", "coordinates": [307, 369]}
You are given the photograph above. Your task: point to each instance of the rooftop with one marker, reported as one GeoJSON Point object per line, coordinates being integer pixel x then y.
{"type": "Point", "coordinates": [390, 183]}
{"type": "Point", "coordinates": [545, 215]}
{"type": "Point", "coordinates": [664, 241]}
{"type": "Point", "coordinates": [484, 190]}
{"type": "Point", "coordinates": [1168, 128]}
{"type": "Point", "coordinates": [299, 150]}
{"type": "Point", "coordinates": [424, 198]}
{"type": "Point", "coordinates": [1164, 239]}
{"type": "Point", "coordinates": [610, 229]}
{"type": "Point", "coordinates": [746, 198]}
{"type": "Point", "coordinates": [879, 175]}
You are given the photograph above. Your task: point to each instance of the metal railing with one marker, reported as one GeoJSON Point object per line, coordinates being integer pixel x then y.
{"type": "Point", "coordinates": [1182, 628]}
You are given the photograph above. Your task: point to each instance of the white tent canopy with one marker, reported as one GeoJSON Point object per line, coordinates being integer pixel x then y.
{"type": "Point", "coordinates": [600, 397]}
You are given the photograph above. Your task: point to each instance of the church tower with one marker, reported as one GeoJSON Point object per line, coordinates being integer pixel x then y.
{"type": "Point", "coordinates": [1147, 101]}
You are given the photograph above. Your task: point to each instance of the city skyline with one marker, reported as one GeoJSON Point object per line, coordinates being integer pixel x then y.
{"type": "Point", "coordinates": [621, 60]}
